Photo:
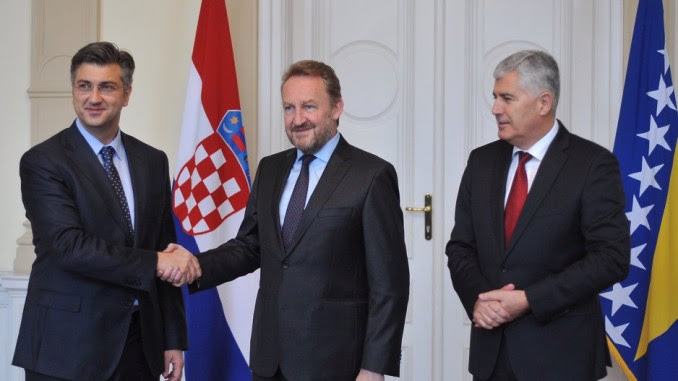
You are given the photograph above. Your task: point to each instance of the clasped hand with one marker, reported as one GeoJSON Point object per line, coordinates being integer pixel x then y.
{"type": "Point", "coordinates": [497, 307]}
{"type": "Point", "coordinates": [178, 266]}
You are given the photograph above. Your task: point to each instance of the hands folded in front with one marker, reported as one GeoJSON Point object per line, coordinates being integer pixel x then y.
{"type": "Point", "coordinates": [178, 266]}
{"type": "Point", "coordinates": [497, 307]}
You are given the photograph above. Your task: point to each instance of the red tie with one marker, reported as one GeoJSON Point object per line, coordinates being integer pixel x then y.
{"type": "Point", "coordinates": [516, 198]}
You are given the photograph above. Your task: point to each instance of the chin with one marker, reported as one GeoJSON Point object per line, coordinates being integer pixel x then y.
{"type": "Point", "coordinates": [504, 133]}
{"type": "Point", "coordinates": [307, 148]}
{"type": "Point", "coordinates": [300, 144]}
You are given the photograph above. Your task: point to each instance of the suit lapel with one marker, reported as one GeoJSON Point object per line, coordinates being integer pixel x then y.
{"type": "Point", "coordinates": [138, 169]}
{"type": "Point", "coordinates": [85, 161]}
{"type": "Point", "coordinates": [282, 173]}
{"type": "Point", "coordinates": [548, 171]}
{"type": "Point", "coordinates": [498, 189]}
{"type": "Point", "coordinates": [333, 174]}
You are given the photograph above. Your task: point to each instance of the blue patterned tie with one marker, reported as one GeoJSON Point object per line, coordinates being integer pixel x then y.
{"type": "Point", "coordinates": [107, 153]}
{"type": "Point", "coordinates": [297, 202]}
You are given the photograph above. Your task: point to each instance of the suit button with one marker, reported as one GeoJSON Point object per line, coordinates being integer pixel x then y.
{"type": "Point", "coordinates": [504, 269]}
{"type": "Point", "coordinates": [284, 265]}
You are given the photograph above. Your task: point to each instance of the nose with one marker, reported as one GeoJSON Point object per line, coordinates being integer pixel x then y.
{"type": "Point", "coordinates": [95, 95]}
{"type": "Point", "coordinates": [298, 118]}
{"type": "Point", "coordinates": [496, 108]}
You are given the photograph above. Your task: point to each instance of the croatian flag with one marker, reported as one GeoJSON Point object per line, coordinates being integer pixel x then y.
{"type": "Point", "coordinates": [209, 196]}
{"type": "Point", "coordinates": [641, 311]}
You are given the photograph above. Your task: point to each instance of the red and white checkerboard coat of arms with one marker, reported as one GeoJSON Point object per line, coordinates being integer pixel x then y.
{"type": "Point", "coordinates": [211, 186]}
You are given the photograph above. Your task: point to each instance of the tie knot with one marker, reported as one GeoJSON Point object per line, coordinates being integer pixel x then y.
{"type": "Point", "coordinates": [523, 157]}
{"type": "Point", "coordinates": [107, 153]}
{"type": "Point", "coordinates": [306, 160]}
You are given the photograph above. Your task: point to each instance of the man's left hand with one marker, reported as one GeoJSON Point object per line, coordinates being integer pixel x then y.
{"type": "Point", "coordinates": [366, 375]}
{"type": "Point", "coordinates": [176, 358]}
{"type": "Point", "coordinates": [513, 301]}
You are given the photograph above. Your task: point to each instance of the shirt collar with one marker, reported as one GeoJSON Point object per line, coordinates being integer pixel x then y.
{"type": "Point", "coordinates": [95, 144]}
{"type": "Point", "coordinates": [538, 149]}
{"type": "Point", "coordinates": [326, 151]}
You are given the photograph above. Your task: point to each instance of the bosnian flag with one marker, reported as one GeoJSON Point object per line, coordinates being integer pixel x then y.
{"type": "Point", "coordinates": [209, 196]}
{"type": "Point", "coordinates": [641, 312]}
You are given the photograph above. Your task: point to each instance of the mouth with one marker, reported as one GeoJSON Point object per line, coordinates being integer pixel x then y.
{"type": "Point", "coordinates": [502, 123]}
{"type": "Point", "coordinates": [94, 110]}
{"type": "Point", "coordinates": [303, 128]}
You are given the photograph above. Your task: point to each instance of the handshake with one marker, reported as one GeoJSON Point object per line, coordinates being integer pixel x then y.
{"type": "Point", "coordinates": [178, 266]}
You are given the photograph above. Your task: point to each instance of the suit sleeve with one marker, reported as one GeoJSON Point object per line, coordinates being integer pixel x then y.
{"type": "Point", "coordinates": [387, 274]}
{"type": "Point", "coordinates": [171, 298]}
{"type": "Point", "coordinates": [461, 250]}
{"type": "Point", "coordinates": [238, 256]}
{"type": "Point", "coordinates": [606, 256]}
{"type": "Point", "coordinates": [52, 206]}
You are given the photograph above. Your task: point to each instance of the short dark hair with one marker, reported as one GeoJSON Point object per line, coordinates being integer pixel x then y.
{"type": "Point", "coordinates": [312, 68]}
{"type": "Point", "coordinates": [103, 53]}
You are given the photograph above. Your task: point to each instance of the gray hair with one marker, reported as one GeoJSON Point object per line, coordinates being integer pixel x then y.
{"type": "Point", "coordinates": [537, 71]}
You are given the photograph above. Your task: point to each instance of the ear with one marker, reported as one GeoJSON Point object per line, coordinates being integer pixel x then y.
{"type": "Point", "coordinates": [545, 103]}
{"type": "Point", "coordinates": [126, 92]}
{"type": "Point", "coordinates": [337, 109]}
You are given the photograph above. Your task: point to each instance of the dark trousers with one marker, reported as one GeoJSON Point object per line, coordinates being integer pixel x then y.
{"type": "Point", "coordinates": [278, 376]}
{"type": "Point", "coordinates": [132, 367]}
{"type": "Point", "coordinates": [503, 371]}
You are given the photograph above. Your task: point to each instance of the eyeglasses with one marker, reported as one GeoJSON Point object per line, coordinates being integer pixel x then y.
{"type": "Point", "coordinates": [104, 88]}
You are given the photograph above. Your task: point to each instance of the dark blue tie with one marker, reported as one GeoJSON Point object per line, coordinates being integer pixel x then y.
{"type": "Point", "coordinates": [297, 202]}
{"type": "Point", "coordinates": [107, 153]}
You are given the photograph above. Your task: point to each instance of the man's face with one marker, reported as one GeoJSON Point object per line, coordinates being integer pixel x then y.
{"type": "Point", "coordinates": [310, 118]}
{"type": "Point", "coordinates": [522, 118]}
{"type": "Point", "coordinates": [99, 96]}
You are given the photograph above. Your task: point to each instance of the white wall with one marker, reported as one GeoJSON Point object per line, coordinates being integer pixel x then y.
{"type": "Point", "coordinates": [15, 66]}
{"type": "Point", "coordinates": [159, 34]}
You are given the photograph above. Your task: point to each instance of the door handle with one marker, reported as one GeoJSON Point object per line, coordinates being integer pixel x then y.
{"type": "Point", "coordinates": [427, 209]}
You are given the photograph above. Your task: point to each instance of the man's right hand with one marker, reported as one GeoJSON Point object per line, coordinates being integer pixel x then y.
{"type": "Point", "coordinates": [490, 313]}
{"type": "Point", "coordinates": [178, 266]}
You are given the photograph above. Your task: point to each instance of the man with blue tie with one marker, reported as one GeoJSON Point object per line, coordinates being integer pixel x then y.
{"type": "Point", "coordinates": [99, 205]}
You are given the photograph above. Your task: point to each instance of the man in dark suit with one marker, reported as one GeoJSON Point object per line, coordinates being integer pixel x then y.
{"type": "Point", "coordinates": [100, 215]}
{"type": "Point", "coordinates": [334, 275]}
{"type": "Point", "coordinates": [539, 231]}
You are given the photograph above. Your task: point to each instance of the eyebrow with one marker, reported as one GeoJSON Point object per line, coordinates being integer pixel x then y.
{"type": "Point", "coordinates": [502, 94]}
{"type": "Point", "coordinates": [100, 83]}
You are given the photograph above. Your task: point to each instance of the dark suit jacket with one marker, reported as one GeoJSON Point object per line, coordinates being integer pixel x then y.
{"type": "Point", "coordinates": [571, 242]}
{"type": "Point", "coordinates": [335, 301]}
{"type": "Point", "coordinates": [88, 271]}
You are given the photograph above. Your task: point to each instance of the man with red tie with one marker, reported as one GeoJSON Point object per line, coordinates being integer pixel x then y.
{"type": "Point", "coordinates": [539, 231]}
